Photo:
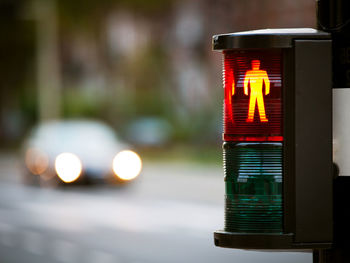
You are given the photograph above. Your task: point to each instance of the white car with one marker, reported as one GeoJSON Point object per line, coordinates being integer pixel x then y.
{"type": "Point", "coordinates": [78, 151]}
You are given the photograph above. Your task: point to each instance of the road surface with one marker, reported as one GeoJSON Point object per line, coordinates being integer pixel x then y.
{"type": "Point", "coordinates": [168, 215]}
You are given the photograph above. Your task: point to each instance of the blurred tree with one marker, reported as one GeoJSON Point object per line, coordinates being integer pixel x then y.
{"type": "Point", "coordinates": [48, 66]}
{"type": "Point", "coordinates": [150, 74]}
{"type": "Point", "coordinates": [16, 52]}
{"type": "Point", "coordinates": [90, 13]}
{"type": "Point", "coordinates": [138, 79]}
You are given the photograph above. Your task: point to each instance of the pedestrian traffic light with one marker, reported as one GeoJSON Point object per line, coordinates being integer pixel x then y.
{"type": "Point", "coordinates": [277, 139]}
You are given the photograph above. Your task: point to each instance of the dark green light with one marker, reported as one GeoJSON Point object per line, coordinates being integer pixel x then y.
{"type": "Point", "coordinates": [253, 176]}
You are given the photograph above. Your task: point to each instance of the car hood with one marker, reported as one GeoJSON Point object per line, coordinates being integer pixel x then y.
{"type": "Point", "coordinates": [94, 155]}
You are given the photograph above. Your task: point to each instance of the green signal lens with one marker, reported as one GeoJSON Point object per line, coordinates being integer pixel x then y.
{"type": "Point", "coordinates": [253, 178]}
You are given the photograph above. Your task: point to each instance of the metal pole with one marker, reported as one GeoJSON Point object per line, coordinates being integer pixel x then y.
{"type": "Point", "coordinates": [333, 16]}
{"type": "Point", "coordinates": [335, 255]}
{"type": "Point", "coordinates": [322, 256]}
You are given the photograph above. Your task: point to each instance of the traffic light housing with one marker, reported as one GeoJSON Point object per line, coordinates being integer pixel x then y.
{"type": "Point", "coordinates": [277, 139]}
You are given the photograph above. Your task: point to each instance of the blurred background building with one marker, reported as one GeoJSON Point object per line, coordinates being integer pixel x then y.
{"type": "Point", "coordinates": [144, 67]}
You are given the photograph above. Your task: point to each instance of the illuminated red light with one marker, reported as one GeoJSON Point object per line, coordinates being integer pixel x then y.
{"type": "Point", "coordinates": [255, 78]}
{"type": "Point", "coordinates": [253, 96]}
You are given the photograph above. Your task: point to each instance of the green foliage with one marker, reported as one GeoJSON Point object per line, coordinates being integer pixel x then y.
{"type": "Point", "coordinates": [149, 6]}
{"type": "Point", "coordinates": [81, 13]}
{"type": "Point", "coordinates": [77, 104]}
{"type": "Point", "coordinates": [150, 71]}
{"type": "Point", "coordinates": [88, 13]}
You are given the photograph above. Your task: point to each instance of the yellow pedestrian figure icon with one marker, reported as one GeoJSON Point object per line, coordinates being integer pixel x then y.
{"type": "Point", "coordinates": [256, 77]}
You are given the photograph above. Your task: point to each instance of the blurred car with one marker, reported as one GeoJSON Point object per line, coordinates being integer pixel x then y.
{"type": "Point", "coordinates": [78, 151]}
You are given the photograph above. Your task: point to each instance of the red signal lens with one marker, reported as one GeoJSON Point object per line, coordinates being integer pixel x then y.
{"type": "Point", "coordinates": [253, 95]}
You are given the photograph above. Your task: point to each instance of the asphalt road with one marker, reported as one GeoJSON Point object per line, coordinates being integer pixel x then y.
{"type": "Point", "coordinates": [168, 215]}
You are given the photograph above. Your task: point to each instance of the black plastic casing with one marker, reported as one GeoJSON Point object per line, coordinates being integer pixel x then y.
{"type": "Point", "coordinates": [307, 132]}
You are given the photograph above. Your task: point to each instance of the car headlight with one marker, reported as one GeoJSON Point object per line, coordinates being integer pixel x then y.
{"type": "Point", "coordinates": [36, 161]}
{"type": "Point", "coordinates": [127, 165]}
{"type": "Point", "coordinates": [68, 167]}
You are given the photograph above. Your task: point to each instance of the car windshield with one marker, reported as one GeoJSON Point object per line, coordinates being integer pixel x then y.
{"type": "Point", "coordinates": [76, 134]}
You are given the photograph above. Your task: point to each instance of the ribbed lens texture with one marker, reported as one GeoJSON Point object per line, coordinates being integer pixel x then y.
{"type": "Point", "coordinates": [253, 95]}
{"type": "Point", "coordinates": [253, 175]}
